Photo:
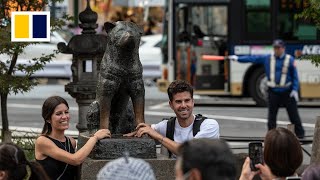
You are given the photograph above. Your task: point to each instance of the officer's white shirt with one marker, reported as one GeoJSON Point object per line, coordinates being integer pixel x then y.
{"type": "Point", "coordinates": [209, 128]}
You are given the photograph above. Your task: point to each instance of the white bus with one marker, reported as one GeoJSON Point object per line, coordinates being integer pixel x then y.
{"type": "Point", "coordinates": [243, 27]}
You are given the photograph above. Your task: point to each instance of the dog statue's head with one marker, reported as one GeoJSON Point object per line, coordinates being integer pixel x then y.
{"type": "Point", "coordinates": [123, 34]}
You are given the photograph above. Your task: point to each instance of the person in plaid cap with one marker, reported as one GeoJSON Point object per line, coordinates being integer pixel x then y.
{"type": "Point", "coordinates": [126, 168]}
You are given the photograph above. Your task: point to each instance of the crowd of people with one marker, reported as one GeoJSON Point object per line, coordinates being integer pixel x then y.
{"type": "Point", "coordinates": [191, 139]}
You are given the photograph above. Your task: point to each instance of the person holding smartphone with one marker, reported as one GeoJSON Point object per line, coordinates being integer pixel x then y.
{"type": "Point", "coordinates": [282, 157]}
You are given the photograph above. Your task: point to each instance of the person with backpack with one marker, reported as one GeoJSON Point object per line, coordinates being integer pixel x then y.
{"type": "Point", "coordinates": [185, 126]}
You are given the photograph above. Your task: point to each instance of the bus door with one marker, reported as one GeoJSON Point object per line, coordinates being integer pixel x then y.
{"type": "Point", "coordinates": [202, 30]}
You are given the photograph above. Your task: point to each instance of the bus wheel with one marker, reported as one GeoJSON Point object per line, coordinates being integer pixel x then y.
{"type": "Point", "coordinates": [258, 87]}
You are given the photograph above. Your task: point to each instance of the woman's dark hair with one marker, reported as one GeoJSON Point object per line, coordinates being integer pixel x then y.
{"type": "Point", "coordinates": [179, 86]}
{"type": "Point", "coordinates": [14, 162]}
{"type": "Point", "coordinates": [212, 157]}
{"type": "Point", "coordinates": [282, 152]}
{"type": "Point", "coordinates": [48, 109]}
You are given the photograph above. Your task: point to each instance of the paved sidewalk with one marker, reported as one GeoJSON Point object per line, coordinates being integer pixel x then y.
{"type": "Point", "coordinates": [42, 92]}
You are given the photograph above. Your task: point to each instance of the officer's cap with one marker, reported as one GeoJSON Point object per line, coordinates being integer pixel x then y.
{"type": "Point", "coordinates": [278, 43]}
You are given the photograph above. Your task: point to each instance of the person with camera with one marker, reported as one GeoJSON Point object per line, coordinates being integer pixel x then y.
{"type": "Point", "coordinates": [283, 83]}
{"type": "Point", "coordinates": [282, 156]}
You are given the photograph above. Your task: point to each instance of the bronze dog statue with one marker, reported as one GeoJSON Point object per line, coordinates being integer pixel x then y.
{"type": "Point", "coordinates": [120, 78]}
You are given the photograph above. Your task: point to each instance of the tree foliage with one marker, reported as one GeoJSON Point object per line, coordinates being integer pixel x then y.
{"type": "Point", "coordinates": [10, 51]}
{"type": "Point", "coordinates": [312, 13]}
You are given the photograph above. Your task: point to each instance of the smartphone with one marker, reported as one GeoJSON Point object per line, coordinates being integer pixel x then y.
{"type": "Point", "coordinates": [255, 154]}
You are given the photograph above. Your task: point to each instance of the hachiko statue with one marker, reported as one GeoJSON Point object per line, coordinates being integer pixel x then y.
{"type": "Point", "coordinates": [120, 78]}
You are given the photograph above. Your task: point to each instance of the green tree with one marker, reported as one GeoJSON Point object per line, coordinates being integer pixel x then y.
{"type": "Point", "coordinates": [10, 51]}
{"type": "Point", "coordinates": [312, 13]}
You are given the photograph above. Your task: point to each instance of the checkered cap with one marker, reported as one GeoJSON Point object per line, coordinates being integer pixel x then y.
{"type": "Point", "coordinates": [133, 169]}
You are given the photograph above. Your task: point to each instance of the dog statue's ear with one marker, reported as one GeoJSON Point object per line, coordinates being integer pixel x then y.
{"type": "Point", "coordinates": [108, 26]}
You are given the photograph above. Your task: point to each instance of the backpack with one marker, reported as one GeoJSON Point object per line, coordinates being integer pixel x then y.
{"type": "Point", "coordinates": [195, 129]}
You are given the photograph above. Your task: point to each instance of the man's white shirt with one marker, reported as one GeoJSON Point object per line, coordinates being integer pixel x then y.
{"type": "Point", "coordinates": [209, 128]}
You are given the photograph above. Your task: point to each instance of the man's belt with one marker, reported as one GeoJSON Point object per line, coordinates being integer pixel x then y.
{"type": "Point", "coordinates": [274, 85]}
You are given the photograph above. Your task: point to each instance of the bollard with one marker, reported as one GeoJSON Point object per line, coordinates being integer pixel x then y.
{"type": "Point", "coordinates": [315, 154]}
{"type": "Point", "coordinates": [290, 127]}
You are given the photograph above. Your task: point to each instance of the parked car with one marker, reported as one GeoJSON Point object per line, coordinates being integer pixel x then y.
{"type": "Point", "coordinates": [149, 53]}
{"type": "Point", "coordinates": [37, 50]}
{"type": "Point", "coordinates": [151, 57]}
{"type": "Point", "coordinates": [59, 67]}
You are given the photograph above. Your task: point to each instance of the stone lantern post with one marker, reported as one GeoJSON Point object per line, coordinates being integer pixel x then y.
{"type": "Point", "coordinates": [87, 50]}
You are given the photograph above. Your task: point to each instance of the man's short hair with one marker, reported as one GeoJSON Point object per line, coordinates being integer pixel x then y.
{"type": "Point", "coordinates": [282, 152]}
{"type": "Point", "coordinates": [179, 86]}
{"type": "Point", "coordinates": [212, 157]}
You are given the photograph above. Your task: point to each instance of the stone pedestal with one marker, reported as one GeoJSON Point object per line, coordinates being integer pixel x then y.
{"type": "Point", "coordinates": [315, 154]}
{"type": "Point", "coordinates": [114, 147]}
{"type": "Point", "coordinates": [162, 166]}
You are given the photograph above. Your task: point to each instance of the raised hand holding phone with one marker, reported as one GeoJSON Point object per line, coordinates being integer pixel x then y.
{"type": "Point", "coordinates": [255, 154]}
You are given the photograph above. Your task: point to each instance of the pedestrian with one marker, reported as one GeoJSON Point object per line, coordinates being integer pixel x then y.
{"type": "Point", "coordinates": [185, 126]}
{"type": "Point", "coordinates": [53, 149]}
{"type": "Point", "coordinates": [283, 84]}
{"type": "Point", "coordinates": [15, 166]}
{"type": "Point", "coordinates": [126, 168]}
{"type": "Point", "coordinates": [282, 157]}
{"type": "Point", "coordinates": [205, 159]}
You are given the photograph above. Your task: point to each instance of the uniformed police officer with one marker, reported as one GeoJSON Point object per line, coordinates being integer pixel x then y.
{"type": "Point", "coordinates": [283, 83]}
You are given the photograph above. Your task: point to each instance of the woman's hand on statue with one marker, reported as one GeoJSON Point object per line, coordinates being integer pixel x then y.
{"type": "Point", "coordinates": [102, 133]}
{"type": "Point", "coordinates": [132, 134]}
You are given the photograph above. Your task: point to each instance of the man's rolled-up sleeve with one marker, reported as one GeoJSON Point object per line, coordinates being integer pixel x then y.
{"type": "Point", "coordinates": [160, 127]}
{"type": "Point", "coordinates": [209, 129]}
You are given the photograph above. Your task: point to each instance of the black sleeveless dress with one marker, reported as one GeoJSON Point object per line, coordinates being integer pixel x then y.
{"type": "Point", "coordinates": [55, 168]}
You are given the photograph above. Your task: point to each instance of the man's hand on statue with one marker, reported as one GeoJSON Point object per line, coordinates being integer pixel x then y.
{"type": "Point", "coordinates": [102, 133]}
{"type": "Point", "coordinates": [145, 129]}
{"type": "Point", "coordinates": [140, 125]}
{"type": "Point", "coordinates": [132, 134]}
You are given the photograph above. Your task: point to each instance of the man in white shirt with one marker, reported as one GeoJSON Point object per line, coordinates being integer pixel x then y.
{"type": "Point", "coordinates": [181, 102]}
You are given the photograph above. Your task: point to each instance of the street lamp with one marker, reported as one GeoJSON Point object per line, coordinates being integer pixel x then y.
{"type": "Point", "coordinates": [87, 50]}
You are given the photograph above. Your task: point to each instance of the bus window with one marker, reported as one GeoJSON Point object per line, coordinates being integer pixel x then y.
{"type": "Point", "coordinates": [290, 28]}
{"type": "Point", "coordinates": [210, 20]}
{"type": "Point", "coordinates": [182, 24]}
{"type": "Point", "coordinates": [258, 19]}
{"type": "Point", "coordinates": [306, 32]}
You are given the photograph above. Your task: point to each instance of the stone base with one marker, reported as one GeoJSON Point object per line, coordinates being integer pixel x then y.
{"type": "Point", "coordinates": [114, 147]}
{"type": "Point", "coordinates": [162, 166]}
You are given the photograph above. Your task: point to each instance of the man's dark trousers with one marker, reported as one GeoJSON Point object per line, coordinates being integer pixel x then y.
{"type": "Point", "coordinates": [278, 99]}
